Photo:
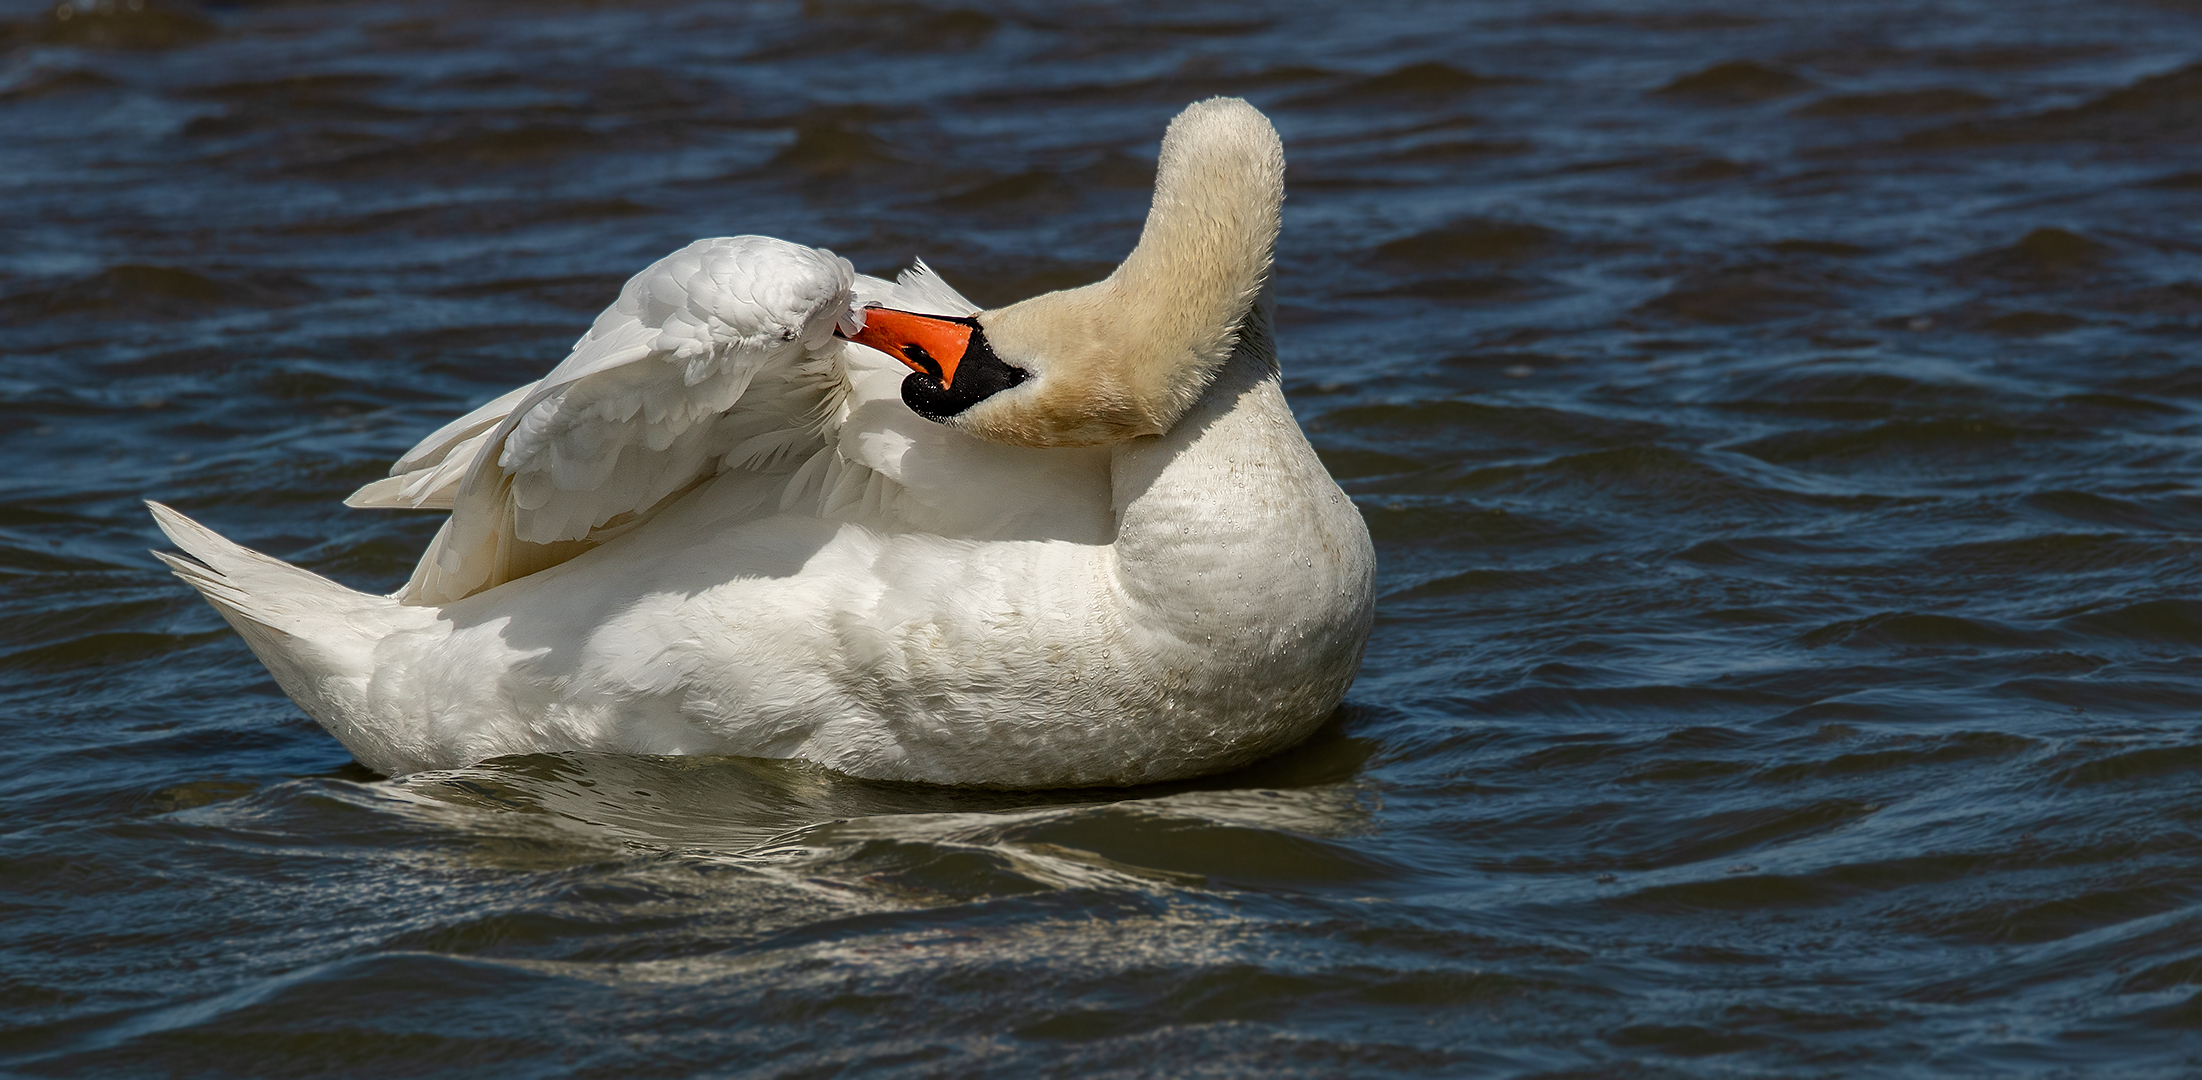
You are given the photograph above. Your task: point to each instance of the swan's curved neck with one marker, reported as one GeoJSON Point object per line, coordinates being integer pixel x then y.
{"type": "Point", "coordinates": [1128, 355]}
{"type": "Point", "coordinates": [1205, 251]}
{"type": "Point", "coordinates": [1210, 235]}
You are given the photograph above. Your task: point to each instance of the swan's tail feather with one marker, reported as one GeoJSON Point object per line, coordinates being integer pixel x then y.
{"type": "Point", "coordinates": [241, 582]}
{"type": "Point", "coordinates": [315, 636]}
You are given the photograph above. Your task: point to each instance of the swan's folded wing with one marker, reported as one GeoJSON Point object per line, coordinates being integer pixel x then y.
{"type": "Point", "coordinates": [656, 397]}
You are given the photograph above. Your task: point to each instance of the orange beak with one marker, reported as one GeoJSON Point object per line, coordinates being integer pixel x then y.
{"type": "Point", "coordinates": [933, 344]}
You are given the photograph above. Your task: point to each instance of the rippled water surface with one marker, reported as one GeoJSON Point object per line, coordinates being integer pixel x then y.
{"type": "Point", "coordinates": [1777, 423]}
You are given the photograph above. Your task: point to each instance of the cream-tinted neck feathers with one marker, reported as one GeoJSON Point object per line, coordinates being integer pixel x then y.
{"type": "Point", "coordinates": [1127, 356]}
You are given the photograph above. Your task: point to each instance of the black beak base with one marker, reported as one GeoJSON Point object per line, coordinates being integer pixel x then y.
{"type": "Point", "coordinates": [980, 375]}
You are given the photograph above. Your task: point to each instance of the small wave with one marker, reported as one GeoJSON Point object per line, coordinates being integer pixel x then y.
{"type": "Point", "coordinates": [41, 83]}
{"type": "Point", "coordinates": [2146, 764]}
{"type": "Point", "coordinates": [1899, 753]}
{"type": "Point", "coordinates": [128, 26]}
{"type": "Point", "coordinates": [1743, 294]}
{"type": "Point", "coordinates": [2156, 108]}
{"type": "Point", "coordinates": [1744, 551]}
{"type": "Point", "coordinates": [2069, 553]}
{"type": "Point", "coordinates": [1619, 703]}
{"type": "Point", "coordinates": [1637, 475]}
{"type": "Point", "coordinates": [1911, 445]}
{"type": "Point", "coordinates": [1469, 240]}
{"type": "Point", "coordinates": [144, 291]}
{"type": "Point", "coordinates": [1424, 82]}
{"type": "Point", "coordinates": [2044, 253]}
{"type": "Point", "coordinates": [1934, 101]}
{"type": "Point", "coordinates": [1901, 629]}
{"type": "Point", "coordinates": [1848, 393]}
{"type": "Point", "coordinates": [1469, 526]}
{"type": "Point", "coordinates": [2176, 622]}
{"type": "Point", "coordinates": [1459, 424]}
{"type": "Point", "coordinates": [1736, 82]}
{"type": "Point", "coordinates": [2160, 514]}
{"type": "Point", "coordinates": [1751, 892]}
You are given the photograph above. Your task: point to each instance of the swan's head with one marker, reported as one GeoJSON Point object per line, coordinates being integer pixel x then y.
{"type": "Point", "coordinates": [1127, 355]}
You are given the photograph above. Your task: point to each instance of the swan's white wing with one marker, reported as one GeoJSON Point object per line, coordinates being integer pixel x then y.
{"type": "Point", "coordinates": [427, 477]}
{"type": "Point", "coordinates": [874, 292]}
{"type": "Point", "coordinates": [720, 357]}
{"type": "Point", "coordinates": [921, 290]}
{"type": "Point", "coordinates": [656, 397]}
{"type": "Point", "coordinates": [627, 418]}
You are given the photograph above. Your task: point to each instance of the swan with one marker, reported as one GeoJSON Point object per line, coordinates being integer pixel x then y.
{"type": "Point", "coordinates": [770, 507]}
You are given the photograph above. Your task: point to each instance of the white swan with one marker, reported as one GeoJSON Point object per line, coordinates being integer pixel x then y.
{"type": "Point", "coordinates": [1080, 541]}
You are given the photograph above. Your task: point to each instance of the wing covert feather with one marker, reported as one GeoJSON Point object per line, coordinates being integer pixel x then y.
{"type": "Point", "coordinates": [653, 399]}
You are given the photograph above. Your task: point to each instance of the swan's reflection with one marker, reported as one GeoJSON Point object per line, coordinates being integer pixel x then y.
{"type": "Point", "coordinates": [1275, 821]}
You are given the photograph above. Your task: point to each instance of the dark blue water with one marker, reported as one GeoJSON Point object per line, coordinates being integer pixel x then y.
{"type": "Point", "coordinates": [1777, 422]}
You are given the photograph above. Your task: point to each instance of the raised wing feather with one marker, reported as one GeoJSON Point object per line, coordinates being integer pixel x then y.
{"type": "Point", "coordinates": [924, 291]}
{"type": "Point", "coordinates": [427, 477]}
{"type": "Point", "coordinates": [655, 398]}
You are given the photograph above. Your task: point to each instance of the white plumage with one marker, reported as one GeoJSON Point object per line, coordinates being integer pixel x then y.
{"type": "Point", "coordinates": [716, 527]}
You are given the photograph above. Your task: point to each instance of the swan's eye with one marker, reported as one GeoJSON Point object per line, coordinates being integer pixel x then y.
{"type": "Point", "coordinates": [914, 353]}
